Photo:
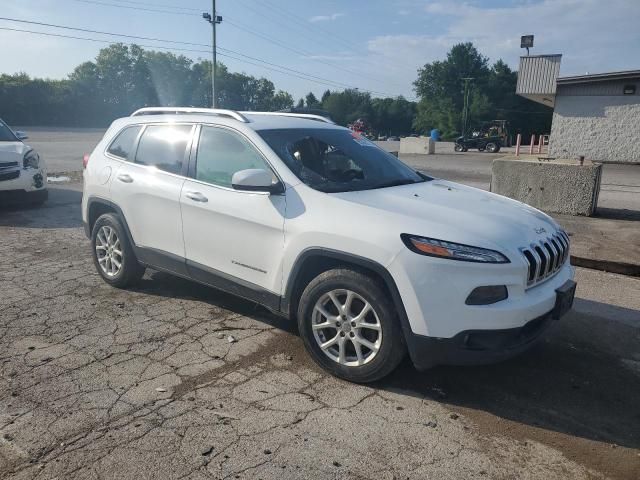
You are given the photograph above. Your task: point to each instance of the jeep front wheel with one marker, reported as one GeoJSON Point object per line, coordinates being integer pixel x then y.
{"type": "Point", "coordinates": [349, 326]}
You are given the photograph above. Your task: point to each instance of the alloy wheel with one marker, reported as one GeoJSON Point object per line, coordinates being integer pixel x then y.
{"type": "Point", "coordinates": [109, 251]}
{"type": "Point", "coordinates": [346, 328]}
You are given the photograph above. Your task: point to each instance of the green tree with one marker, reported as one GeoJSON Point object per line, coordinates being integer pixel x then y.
{"type": "Point", "coordinates": [311, 101]}
{"type": "Point", "coordinates": [123, 78]}
{"type": "Point", "coordinates": [392, 116]}
{"type": "Point", "coordinates": [440, 85]}
{"type": "Point", "coordinates": [349, 105]}
{"type": "Point", "coordinates": [492, 96]}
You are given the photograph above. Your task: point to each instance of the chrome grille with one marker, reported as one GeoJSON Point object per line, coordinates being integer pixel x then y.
{"type": "Point", "coordinates": [546, 257]}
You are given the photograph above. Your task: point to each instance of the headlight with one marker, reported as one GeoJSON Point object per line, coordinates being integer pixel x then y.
{"type": "Point", "coordinates": [453, 251]}
{"type": "Point", "coordinates": [31, 159]}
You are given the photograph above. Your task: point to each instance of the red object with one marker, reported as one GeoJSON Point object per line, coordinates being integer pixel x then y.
{"type": "Point", "coordinates": [85, 160]}
{"type": "Point", "coordinates": [518, 142]}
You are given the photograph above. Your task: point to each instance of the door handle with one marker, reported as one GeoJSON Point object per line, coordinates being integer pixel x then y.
{"type": "Point", "coordinates": [124, 178]}
{"type": "Point", "coordinates": [196, 197]}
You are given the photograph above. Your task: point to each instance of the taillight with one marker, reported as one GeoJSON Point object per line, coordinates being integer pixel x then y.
{"type": "Point", "coordinates": [85, 160]}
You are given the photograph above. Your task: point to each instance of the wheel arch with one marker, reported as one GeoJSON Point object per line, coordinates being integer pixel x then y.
{"type": "Point", "coordinates": [97, 206]}
{"type": "Point", "coordinates": [314, 261]}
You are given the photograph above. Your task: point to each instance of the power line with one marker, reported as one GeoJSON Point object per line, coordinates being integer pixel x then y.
{"type": "Point", "coordinates": [324, 36]}
{"type": "Point", "coordinates": [332, 35]}
{"type": "Point", "coordinates": [298, 52]}
{"type": "Point", "coordinates": [51, 34]}
{"type": "Point", "coordinates": [155, 39]}
{"type": "Point", "coordinates": [103, 33]}
{"type": "Point", "coordinates": [325, 80]}
{"type": "Point", "coordinates": [95, 2]}
{"type": "Point", "coordinates": [162, 5]}
{"type": "Point", "coordinates": [268, 66]}
{"type": "Point", "coordinates": [245, 29]}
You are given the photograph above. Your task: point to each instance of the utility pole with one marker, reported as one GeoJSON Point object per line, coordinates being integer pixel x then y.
{"type": "Point", "coordinates": [214, 20]}
{"type": "Point", "coordinates": [465, 111]}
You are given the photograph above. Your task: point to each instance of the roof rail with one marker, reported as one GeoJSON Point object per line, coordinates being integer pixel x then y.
{"type": "Point", "coordinates": [308, 116]}
{"type": "Point", "coordinates": [186, 110]}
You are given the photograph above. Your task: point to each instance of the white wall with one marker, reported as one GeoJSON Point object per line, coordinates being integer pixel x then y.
{"type": "Point", "coordinates": [602, 128]}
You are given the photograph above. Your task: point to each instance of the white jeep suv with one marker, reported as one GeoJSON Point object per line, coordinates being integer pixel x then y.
{"type": "Point", "coordinates": [318, 224]}
{"type": "Point", "coordinates": [23, 175]}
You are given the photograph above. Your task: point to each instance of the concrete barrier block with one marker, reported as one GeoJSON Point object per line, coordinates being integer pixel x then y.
{"type": "Point", "coordinates": [417, 146]}
{"type": "Point", "coordinates": [558, 186]}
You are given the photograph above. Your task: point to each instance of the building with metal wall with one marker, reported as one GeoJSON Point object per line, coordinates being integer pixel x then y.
{"type": "Point", "coordinates": [597, 116]}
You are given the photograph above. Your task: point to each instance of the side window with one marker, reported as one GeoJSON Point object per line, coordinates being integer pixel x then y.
{"type": "Point", "coordinates": [221, 153]}
{"type": "Point", "coordinates": [122, 146]}
{"type": "Point", "coordinates": [164, 147]}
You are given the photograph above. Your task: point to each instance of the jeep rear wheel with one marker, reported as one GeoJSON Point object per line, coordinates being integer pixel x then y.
{"type": "Point", "coordinates": [112, 253]}
{"type": "Point", "coordinates": [349, 326]}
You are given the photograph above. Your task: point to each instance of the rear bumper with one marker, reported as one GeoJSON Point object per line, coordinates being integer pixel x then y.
{"type": "Point", "coordinates": [476, 347]}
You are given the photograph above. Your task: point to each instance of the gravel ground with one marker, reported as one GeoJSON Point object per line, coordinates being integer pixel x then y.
{"type": "Point", "coordinates": [175, 380]}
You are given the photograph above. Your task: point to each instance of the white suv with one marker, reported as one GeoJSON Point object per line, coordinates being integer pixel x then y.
{"type": "Point", "coordinates": [318, 224]}
{"type": "Point", "coordinates": [23, 175]}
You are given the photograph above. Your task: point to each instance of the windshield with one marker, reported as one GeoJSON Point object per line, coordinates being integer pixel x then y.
{"type": "Point", "coordinates": [6, 135]}
{"type": "Point", "coordinates": [335, 160]}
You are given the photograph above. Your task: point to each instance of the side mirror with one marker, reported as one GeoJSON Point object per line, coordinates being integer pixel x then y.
{"type": "Point", "coordinates": [21, 135]}
{"type": "Point", "coordinates": [255, 180]}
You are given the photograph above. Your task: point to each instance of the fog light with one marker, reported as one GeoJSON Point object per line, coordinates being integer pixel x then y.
{"type": "Point", "coordinates": [487, 295]}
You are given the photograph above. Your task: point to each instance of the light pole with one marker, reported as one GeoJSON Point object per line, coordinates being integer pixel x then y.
{"type": "Point", "coordinates": [214, 20]}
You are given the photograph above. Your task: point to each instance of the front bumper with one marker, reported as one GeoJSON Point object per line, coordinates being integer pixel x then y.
{"type": "Point", "coordinates": [440, 329]}
{"type": "Point", "coordinates": [476, 347]}
{"type": "Point", "coordinates": [23, 185]}
{"type": "Point", "coordinates": [433, 292]}
{"type": "Point", "coordinates": [23, 179]}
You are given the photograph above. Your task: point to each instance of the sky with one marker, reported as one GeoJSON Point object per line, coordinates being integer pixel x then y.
{"type": "Point", "coordinates": [373, 45]}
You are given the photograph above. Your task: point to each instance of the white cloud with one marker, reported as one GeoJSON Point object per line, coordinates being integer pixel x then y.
{"type": "Point", "coordinates": [326, 18]}
{"type": "Point", "coordinates": [592, 36]}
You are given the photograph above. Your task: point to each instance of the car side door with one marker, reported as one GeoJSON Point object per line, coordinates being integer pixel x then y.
{"type": "Point", "coordinates": [147, 191]}
{"type": "Point", "coordinates": [234, 239]}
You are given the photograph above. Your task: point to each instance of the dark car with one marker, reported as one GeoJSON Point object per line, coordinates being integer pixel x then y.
{"type": "Point", "coordinates": [490, 144]}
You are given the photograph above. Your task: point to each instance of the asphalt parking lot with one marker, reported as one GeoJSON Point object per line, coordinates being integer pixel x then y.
{"type": "Point", "coordinates": [175, 380]}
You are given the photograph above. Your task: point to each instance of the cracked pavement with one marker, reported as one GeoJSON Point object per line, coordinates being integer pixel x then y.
{"type": "Point", "coordinates": [173, 380]}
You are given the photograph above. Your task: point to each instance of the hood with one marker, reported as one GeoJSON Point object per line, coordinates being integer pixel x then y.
{"type": "Point", "coordinates": [453, 212]}
{"type": "Point", "coordinates": [13, 152]}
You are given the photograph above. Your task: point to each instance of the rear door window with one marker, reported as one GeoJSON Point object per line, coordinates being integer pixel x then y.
{"type": "Point", "coordinates": [124, 143]}
{"type": "Point", "coordinates": [164, 147]}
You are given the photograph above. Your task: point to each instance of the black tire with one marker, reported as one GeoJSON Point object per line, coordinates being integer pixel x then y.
{"type": "Point", "coordinates": [492, 147]}
{"type": "Point", "coordinates": [392, 348]}
{"type": "Point", "coordinates": [130, 271]}
{"type": "Point", "coordinates": [458, 148]}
